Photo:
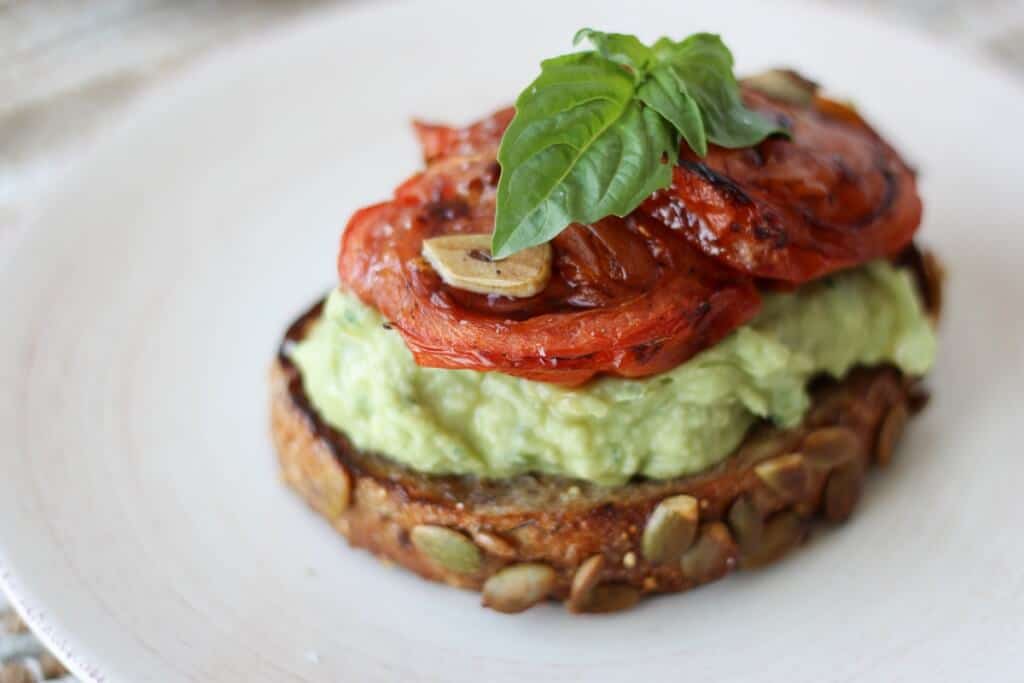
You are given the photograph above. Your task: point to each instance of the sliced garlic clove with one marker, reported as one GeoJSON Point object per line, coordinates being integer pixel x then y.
{"type": "Point", "coordinates": [783, 85]}
{"type": "Point", "coordinates": [464, 262]}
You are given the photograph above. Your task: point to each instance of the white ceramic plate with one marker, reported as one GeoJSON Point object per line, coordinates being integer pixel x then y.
{"type": "Point", "coordinates": [145, 533]}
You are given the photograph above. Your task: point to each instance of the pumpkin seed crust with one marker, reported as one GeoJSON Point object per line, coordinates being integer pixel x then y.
{"type": "Point", "coordinates": [518, 587]}
{"type": "Point", "coordinates": [671, 529]}
{"type": "Point", "coordinates": [449, 549]}
{"type": "Point", "coordinates": [583, 583]}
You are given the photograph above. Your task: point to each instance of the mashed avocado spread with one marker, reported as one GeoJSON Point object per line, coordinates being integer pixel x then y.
{"type": "Point", "coordinates": [362, 380]}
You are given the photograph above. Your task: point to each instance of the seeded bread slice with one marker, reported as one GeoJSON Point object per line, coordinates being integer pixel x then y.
{"type": "Point", "coordinates": [532, 538]}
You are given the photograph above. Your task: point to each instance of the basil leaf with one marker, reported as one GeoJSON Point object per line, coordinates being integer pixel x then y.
{"type": "Point", "coordinates": [580, 148]}
{"type": "Point", "coordinates": [593, 135]}
{"type": "Point", "coordinates": [703, 64]}
{"type": "Point", "coordinates": [618, 47]}
{"type": "Point", "coordinates": [666, 92]}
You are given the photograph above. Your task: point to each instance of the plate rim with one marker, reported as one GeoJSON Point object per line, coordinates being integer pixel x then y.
{"type": "Point", "coordinates": [206, 68]}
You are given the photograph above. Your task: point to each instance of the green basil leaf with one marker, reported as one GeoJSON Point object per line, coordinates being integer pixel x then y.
{"type": "Point", "coordinates": [704, 64]}
{"type": "Point", "coordinates": [663, 46]}
{"type": "Point", "coordinates": [581, 147]}
{"type": "Point", "coordinates": [618, 47]}
{"type": "Point", "coordinates": [595, 133]}
{"type": "Point", "coordinates": [666, 92]}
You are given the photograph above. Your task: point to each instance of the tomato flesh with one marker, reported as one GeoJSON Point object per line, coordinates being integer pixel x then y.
{"type": "Point", "coordinates": [834, 196]}
{"type": "Point", "coordinates": [627, 296]}
{"type": "Point", "coordinates": [638, 295]}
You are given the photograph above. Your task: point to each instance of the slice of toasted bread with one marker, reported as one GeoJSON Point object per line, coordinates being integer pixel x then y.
{"type": "Point", "coordinates": [530, 538]}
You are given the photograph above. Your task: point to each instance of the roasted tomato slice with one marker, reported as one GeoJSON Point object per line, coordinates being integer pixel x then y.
{"type": "Point", "coordinates": [638, 295]}
{"type": "Point", "coordinates": [438, 140]}
{"type": "Point", "coordinates": [834, 196]}
{"type": "Point", "coordinates": [627, 297]}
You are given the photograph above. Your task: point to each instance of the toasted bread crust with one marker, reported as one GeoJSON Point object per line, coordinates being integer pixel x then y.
{"type": "Point", "coordinates": [751, 508]}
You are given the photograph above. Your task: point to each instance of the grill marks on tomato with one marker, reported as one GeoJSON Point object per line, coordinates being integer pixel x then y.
{"type": "Point", "coordinates": [637, 295]}
{"type": "Point", "coordinates": [723, 185]}
{"type": "Point", "coordinates": [832, 197]}
{"type": "Point", "coordinates": [627, 296]}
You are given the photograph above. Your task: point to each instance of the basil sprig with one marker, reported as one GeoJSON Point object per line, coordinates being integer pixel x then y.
{"type": "Point", "coordinates": [597, 131]}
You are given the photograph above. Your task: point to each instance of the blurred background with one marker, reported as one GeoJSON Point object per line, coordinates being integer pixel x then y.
{"type": "Point", "coordinates": [69, 67]}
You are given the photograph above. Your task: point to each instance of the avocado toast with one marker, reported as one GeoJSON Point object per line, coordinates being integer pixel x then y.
{"type": "Point", "coordinates": [588, 376]}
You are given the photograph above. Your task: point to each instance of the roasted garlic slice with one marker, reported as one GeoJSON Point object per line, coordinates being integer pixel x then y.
{"type": "Point", "coordinates": [783, 85]}
{"type": "Point", "coordinates": [464, 262]}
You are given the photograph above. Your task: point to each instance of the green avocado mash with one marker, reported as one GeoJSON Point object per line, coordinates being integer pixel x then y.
{"type": "Point", "coordinates": [362, 379]}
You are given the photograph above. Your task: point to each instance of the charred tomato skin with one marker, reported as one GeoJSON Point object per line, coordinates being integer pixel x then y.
{"type": "Point", "coordinates": [637, 295]}
{"type": "Point", "coordinates": [832, 197]}
{"type": "Point", "coordinates": [627, 296]}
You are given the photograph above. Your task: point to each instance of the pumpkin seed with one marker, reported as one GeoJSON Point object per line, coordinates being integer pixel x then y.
{"type": "Point", "coordinates": [711, 556]}
{"type": "Point", "coordinates": [611, 597]}
{"type": "Point", "coordinates": [323, 481]}
{"type": "Point", "coordinates": [830, 447]}
{"type": "Point", "coordinates": [337, 490]}
{"type": "Point", "coordinates": [842, 491]}
{"type": "Point", "coordinates": [784, 85]}
{"type": "Point", "coordinates": [781, 533]}
{"type": "Point", "coordinates": [494, 544]}
{"type": "Point", "coordinates": [446, 547]}
{"type": "Point", "coordinates": [884, 392]}
{"type": "Point", "coordinates": [746, 522]}
{"type": "Point", "coordinates": [889, 433]}
{"type": "Point", "coordinates": [519, 587]}
{"type": "Point", "coordinates": [765, 443]}
{"type": "Point", "coordinates": [671, 528]}
{"type": "Point", "coordinates": [464, 262]}
{"type": "Point", "coordinates": [804, 508]}
{"type": "Point", "coordinates": [583, 582]}
{"type": "Point", "coordinates": [786, 475]}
